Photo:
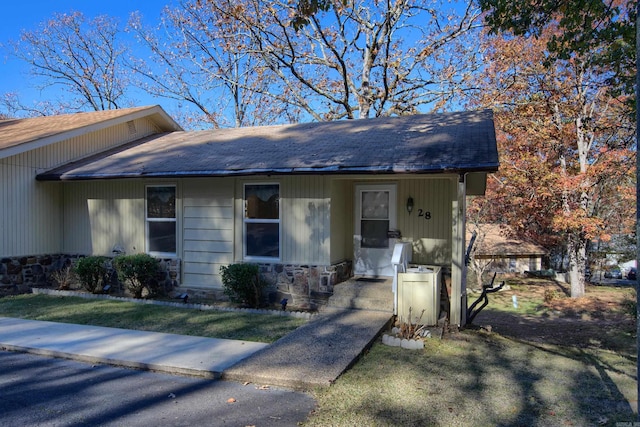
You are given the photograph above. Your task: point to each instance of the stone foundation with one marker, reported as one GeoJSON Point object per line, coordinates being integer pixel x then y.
{"type": "Point", "coordinates": [305, 286]}
{"type": "Point", "coordinates": [23, 273]}
{"type": "Point", "coordinates": [169, 274]}
{"type": "Point", "coordinates": [20, 274]}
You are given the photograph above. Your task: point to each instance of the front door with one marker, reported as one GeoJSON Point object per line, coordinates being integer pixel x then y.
{"type": "Point", "coordinates": [375, 208]}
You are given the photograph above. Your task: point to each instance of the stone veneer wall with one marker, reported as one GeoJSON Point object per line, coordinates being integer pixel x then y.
{"type": "Point", "coordinates": [305, 286]}
{"type": "Point", "coordinates": [23, 273]}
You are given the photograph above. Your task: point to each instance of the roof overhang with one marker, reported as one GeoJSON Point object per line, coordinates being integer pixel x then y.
{"type": "Point", "coordinates": [452, 143]}
{"type": "Point", "coordinates": [22, 135]}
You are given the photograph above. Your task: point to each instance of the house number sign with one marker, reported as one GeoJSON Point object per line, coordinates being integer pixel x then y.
{"type": "Point", "coordinates": [424, 214]}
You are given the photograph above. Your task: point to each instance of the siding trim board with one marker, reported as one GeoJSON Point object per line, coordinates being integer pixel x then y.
{"type": "Point", "coordinates": [207, 229]}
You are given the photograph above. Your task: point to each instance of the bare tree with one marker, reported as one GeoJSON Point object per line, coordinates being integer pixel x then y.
{"type": "Point", "coordinates": [82, 56]}
{"type": "Point", "coordinates": [355, 60]}
{"type": "Point", "coordinates": [361, 59]}
{"type": "Point", "coordinates": [197, 57]}
{"type": "Point", "coordinates": [13, 106]}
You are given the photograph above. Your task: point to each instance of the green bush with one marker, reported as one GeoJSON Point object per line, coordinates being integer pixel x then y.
{"type": "Point", "coordinates": [242, 283]}
{"type": "Point", "coordinates": [93, 272]}
{"type": "Point", "coordinates": [138, 272]}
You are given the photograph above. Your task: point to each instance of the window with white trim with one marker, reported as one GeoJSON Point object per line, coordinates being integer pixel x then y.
{"type": "Point", "coordinates": [375, 217]}
{"type": "Point", "coordinates": [161, 220]}
{"type": "Point", "coordinates": [261, 221]}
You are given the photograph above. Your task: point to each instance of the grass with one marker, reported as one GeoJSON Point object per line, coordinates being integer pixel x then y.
{"type": "Point", "coordinates": [128, 315]}
{"type": "Point", "coordinates": [477, 379]}
{"type": "Point", "coordinates": [530, 299]}
{"type": "Point", "coordinates": [470, 378]}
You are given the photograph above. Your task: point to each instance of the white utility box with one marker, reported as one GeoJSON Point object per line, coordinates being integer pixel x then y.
{"type": "Point", "coordinates": [419, 289]}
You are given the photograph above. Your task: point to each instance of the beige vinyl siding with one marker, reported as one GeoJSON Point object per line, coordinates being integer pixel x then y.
{"type": "Point", "coordinates": [96, 142]}
{"type": "Point", "coordinates": [31, 217]}
{"type": "Point", "coordinates": [91, 143]}
{"type": "Point", "coordinates": [207, 230]}
{"type": "Point", "coordinates": [342, 220]}
{"type": "Point", "coordinates": [305, 226]}
{"type": "Point", "coordinates": [102, 215]}
{"type": "Point", "coordinates": [431, 237]}
{"type": "Point", "coordinates": [30, 213]}
{"type": "Point", "coordinates": [304, 221]}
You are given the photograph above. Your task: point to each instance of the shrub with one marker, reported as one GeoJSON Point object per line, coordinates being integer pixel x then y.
{"type": "Point", "coordinates": [138, 272]}
{"type": "Point", "coordinates": [65, 278]}
{"type": "Point", "coordinates": [242, 283]}
{"type": "Point", "coordinates": [92, 271]}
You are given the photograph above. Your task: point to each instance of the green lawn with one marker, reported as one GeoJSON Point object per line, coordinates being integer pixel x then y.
{"type": "Point", "coordinates": [471, 378]}
{"type": "Point", "coordinates": [477, 379]}
{"type": "Point", "coordinates": [147, 317]}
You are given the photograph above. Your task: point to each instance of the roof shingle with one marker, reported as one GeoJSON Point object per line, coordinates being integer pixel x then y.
{"type": "Point", "coordinates": [16, 132]}
{"type": "Point", "coordinates": [426, 143]}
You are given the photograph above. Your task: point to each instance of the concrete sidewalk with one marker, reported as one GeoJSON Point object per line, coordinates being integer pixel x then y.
{"type": "Point", "coordinates": [170, 353]}
{"type": "Point", "coordinates": [315, 354]}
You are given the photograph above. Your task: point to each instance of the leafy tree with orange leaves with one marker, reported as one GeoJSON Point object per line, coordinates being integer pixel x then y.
{"type": "Point", "coordinates": [566, 143]}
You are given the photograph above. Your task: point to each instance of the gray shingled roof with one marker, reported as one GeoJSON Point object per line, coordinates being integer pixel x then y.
{"type": "Point", "coordinates": [427, 143]}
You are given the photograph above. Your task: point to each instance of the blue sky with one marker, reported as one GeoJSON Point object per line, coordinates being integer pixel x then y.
{"type": "Point", "coordinates": [28, 14]}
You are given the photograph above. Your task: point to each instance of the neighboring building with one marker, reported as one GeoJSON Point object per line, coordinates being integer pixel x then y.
{"type": "Point", "coordinates": [311, 203]}
{"type": "Point", "coordinates": [497, 250]}
{"type": "Point", "coordinates": [605, 255]}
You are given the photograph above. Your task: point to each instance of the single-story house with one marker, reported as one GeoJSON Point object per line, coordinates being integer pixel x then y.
{"type": "Point", "coordinates": [498, 250]}
{"type": "Point", "coordinates": [312, 203]}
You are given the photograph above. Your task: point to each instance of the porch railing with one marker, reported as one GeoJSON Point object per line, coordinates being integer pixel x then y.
{"type": "Point", "coordinates": [400, 259]}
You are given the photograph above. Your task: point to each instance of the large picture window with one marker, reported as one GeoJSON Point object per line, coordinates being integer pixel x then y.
{"type": "Point", "coordinates": [161, 219]}
{"type": "Point", "coordinates": [262, 221]}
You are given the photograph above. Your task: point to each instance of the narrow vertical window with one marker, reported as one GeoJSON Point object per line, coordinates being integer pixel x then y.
{"type": "Point", "coordinates": [374, 220]}
{"type": "Point", "coordinates": [262, 221]}
{"type": "Point", "coordinates": [161, 220]}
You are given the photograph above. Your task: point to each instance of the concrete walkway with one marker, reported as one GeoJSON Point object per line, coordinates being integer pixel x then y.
{"type": "Point", "coordinates": [170, 353]}
{"type": "Point", "coordinates": [313, 355]}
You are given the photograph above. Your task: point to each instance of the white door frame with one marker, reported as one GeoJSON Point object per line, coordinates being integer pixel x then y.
{"type": "Point", "coordinates": [374, 261]}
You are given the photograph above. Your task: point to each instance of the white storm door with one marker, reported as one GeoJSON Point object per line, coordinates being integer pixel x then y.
{"type": "Point", "coordinates": [375, 209]}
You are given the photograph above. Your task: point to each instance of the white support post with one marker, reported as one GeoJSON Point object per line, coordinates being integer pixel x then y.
{"type": "Point", "coordinates": [402, 253]}
{"type": "Point", "coordinates": [458, 313]}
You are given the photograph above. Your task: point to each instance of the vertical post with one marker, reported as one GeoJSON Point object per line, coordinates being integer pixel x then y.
{"type": "Point", "coordinates": [637, 200]}
{"type": "Point", "coordinates": [458, 313]}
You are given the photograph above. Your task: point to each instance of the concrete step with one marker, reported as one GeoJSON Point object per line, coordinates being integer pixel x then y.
{"type": "Point", "coordinates": [359, 303]}
{"type": "Point", "coordinates": [363, 291]}
{"type": "Point", "coordinates": [364, 287]}
{"type": "Point", "coordinates": [363, 294]}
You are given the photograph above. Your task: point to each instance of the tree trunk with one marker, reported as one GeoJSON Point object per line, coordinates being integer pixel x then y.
{"type": "Point", "coordinates": [577, 249]}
